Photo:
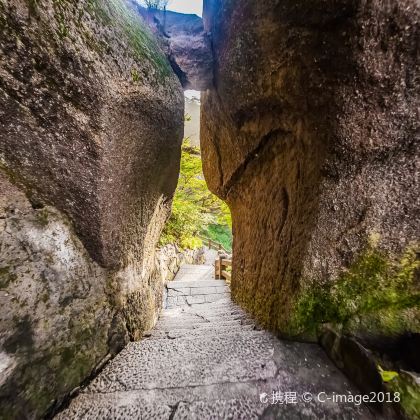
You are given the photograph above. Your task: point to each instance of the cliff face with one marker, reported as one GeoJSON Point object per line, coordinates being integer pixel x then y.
{"type": "Point", "coordinates": [186, 43]}
{"type": "Point", "coordinates": [91, 122]}
{"type": "Point", "coordinates": [189, 49]}
{"type": "Point", "coordinates": [315, 150]}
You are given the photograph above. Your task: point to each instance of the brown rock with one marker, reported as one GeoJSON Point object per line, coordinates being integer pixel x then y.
{"type": "Point", "coordinates": [311, 136]}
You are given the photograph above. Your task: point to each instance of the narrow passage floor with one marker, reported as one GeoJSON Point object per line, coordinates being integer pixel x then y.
{"type": "Point", "coordinates": [206, 359]}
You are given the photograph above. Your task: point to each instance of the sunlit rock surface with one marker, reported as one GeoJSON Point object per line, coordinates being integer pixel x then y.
{"type": "Point", "coordinates": [311, 136]}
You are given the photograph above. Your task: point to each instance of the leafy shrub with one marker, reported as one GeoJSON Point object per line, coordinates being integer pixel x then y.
{"type": "Point", "coordinates": [195, 210]}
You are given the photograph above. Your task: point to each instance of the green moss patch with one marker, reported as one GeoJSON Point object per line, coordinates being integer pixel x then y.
{"type": "Point", "coordinates": [139, 38]}
{"type": "Point", "coordinates": [6, 277]}
{"type": "Point", "coordinates": [42, 217]}
{"type": "Point", "coordinates": [376, 287]}
{"type": "Point", "coordinates": [408, 393]}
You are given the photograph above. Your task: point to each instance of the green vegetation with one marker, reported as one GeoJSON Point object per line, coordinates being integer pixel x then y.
{"type": "Point", "coordinates": [6, 277]}
{"type": "Point", "coordinates": [128, 27]}
{"type": "Point", "coordinates": [387, 375]}
{"type": "Point", "coordinates": [195, 209]}
{"type": "Point", "coordinates": [33, 4]}
{"type": "Point", "coordinates": [135, 75]}
{"type": "Point", "coordinates": [139, 37]}
{"type": "Point", "coordinates": [376, 291]}
{"type": "Point", "coordinates": [409, 390]}
{"type": "Point", "coordinates": [42, 217]}
{"type": "Point", "coordinates": [221, 233]}
{"type": "Point", "coordinates": [156, 4]}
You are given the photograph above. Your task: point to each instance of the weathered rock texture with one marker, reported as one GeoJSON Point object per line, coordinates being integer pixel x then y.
{"type": "Point", "coordinates": [189, 49]}
{"type": "Point", "coordinates": [83, 89]}
{"type": "Point", "coordinates": [311, 136]}
{"type": "Point", "coordinates": [186, 43]}
{"type": "Point", "coordinates": [61, 312]}
{"type": "Point", "coordinates": [91, 120]}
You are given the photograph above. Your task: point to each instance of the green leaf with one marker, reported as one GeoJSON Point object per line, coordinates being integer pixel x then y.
{"type": "Point", "coordinates": [387, 375]}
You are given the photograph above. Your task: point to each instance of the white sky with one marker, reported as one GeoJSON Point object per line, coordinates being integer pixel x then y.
{"type": "Point", "coordinates": [186, 6]}
{"type": "Point", "coordinates": [192, 94]}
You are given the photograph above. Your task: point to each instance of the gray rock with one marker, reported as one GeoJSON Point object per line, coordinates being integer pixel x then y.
{"type": "Point", "coordinates": [352, 358]}
{"type": "Point", "coordinates": [82, 89]}
{"type": "Point", "coordinates": [187, 45]}
{"type": "Point", "coordinates": [82, 86]}
{"type": "Point", "coordinates": [58, 317]}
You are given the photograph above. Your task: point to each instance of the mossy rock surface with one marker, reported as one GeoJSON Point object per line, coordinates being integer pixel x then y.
{"type": "Point", "coordinates": [377, 296]}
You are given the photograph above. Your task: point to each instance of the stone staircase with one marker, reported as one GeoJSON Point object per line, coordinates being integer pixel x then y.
{"type": "Point", "coordinates": [194, 285]}
{"type": "Point", "coordinates": [206, 359]}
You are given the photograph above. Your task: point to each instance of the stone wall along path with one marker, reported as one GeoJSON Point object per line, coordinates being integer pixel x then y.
{"type": "Point", "coordinates": [206, 359]}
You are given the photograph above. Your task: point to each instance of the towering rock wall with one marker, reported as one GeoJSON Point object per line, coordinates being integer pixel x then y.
{"type": "Point", "coordinates": [91, 122]}
{"type": "Point", "coordinates": [311, 136]}
{"type": "Point", "coordinates": [185, 42]}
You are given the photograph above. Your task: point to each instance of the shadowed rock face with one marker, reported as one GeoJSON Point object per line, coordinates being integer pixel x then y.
{"type": "Point", "coordinates": [186, 43]}
{"type": "Point", "coordinates": [91, 122]}
{"type": "Point", "coordinates": [189, 49]}
{"type": "Point", "coordinates": [315, 148]}
{"type": "Point", "coordinates": [61, 313]}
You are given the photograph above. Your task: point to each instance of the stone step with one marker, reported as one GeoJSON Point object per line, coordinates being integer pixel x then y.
{"type": "Point", "coordinates": [187, 291]}
{"type": "Point", "coordinates": [200, 310]}
{"type": "Point", "coordinates": [207, 317]}
{"type": "Point", "coordinates": [198, 324]}
{"type": "Point", "coordinates": [195, 273]}
{"type": "Point", "coordinates": [195, 284]}
{"type": "Point", "coordinates": [222, 401]}
{"type": "Point", "coordinates": [210, 361]}
{"type": "Point", "coordinates": [122, 406]}
{"type": "Point", "coordinates": [196, 299]}
{"type": "Point", "coordinates": [195, 267]}
{"type": "Point", "coordinates": [203, 310]}
{"type": "Point", "coordinates": [198, 332]}
{"type": "Point", "coordinates": [213, 306]}
{"type": "Point", "coordinates": [152, 364]}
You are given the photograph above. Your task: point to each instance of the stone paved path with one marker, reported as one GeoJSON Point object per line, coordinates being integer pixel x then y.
{"type": "Point", "coordinates": [206, 359]}
{"type": "Point", "coordinates": [210, 256]}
